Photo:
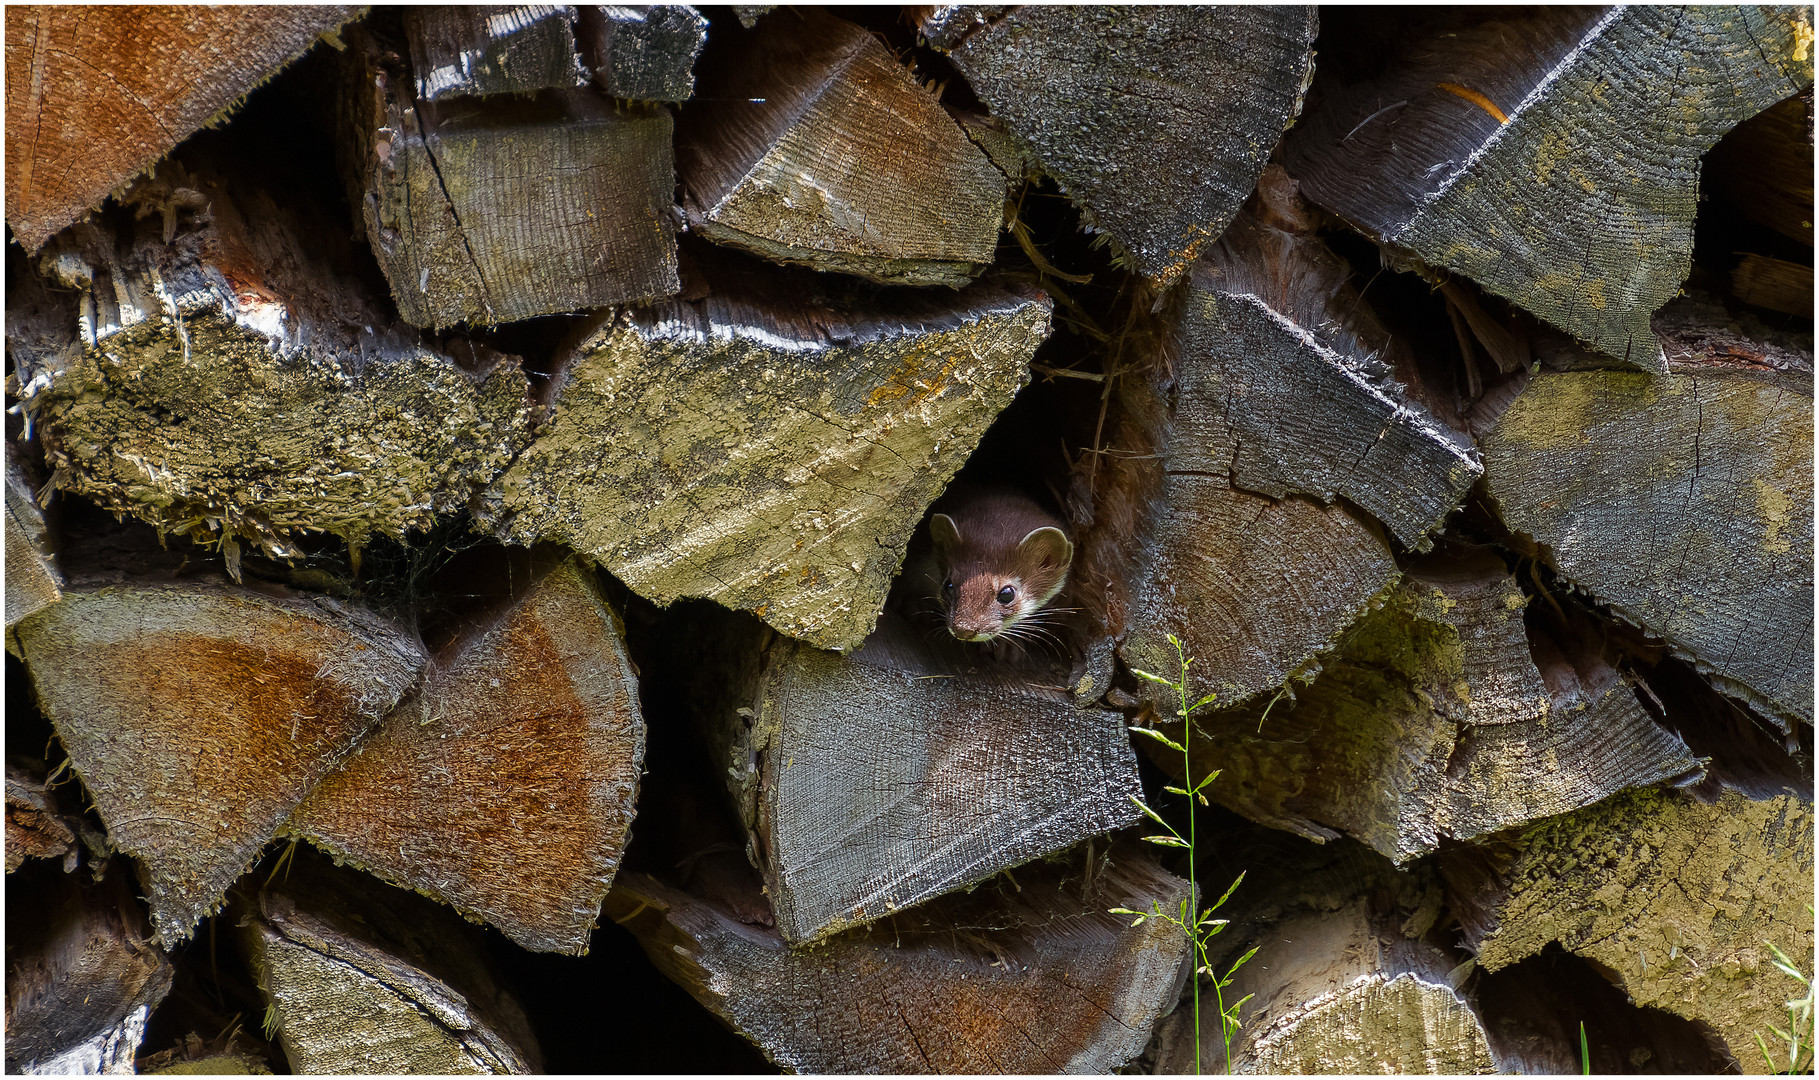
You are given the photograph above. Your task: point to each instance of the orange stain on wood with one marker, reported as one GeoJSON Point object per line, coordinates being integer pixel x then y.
{"type": "Point", "coordinates": [1475, 98]}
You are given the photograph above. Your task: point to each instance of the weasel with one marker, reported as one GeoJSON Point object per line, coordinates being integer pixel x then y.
{"type": "Point", "coordinates": [998, 559]}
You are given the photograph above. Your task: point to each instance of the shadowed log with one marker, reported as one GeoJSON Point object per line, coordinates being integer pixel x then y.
{"type": "Point", "coordinates": [1614, 884]}
{"type": "Point", "coordinates": [1552, 156]}
{"type": "Point", "coordinates": [37, 826]}
{"type": "Point", "coordinates": [798, 437]}
{"type": "Point", "coordinates": [505, 786]}
{"type": "Point", "coordinates": [1775, 284]}
{"type": "Point", "coordinates": [494, 49]}
{"type": "Point", "coordinates": [817, 147]}
{"type": "Point", "coordinates": [94, 96]}
{"type": "Point", "coordinates": [362, 978]}
{"type": "Point", "coordinates": [1029, 977]}
{"type": "Point", "coordinates": [33, 581]}
{"type": "Point", "coordinates": [1155, 120]}
{"type": "Point", "coordinates": [1764, 169]}
{"type": "Point", "coordinates": [218, 370]}
{"type": "Point", "coordinates": [644, 53]}
{"type": "Point", "coordinates": [198, 716]}
{"type": "Point", "coordinates": [1684, 502]}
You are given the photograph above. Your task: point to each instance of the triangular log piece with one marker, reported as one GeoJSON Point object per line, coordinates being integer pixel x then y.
{"type": "Point", "coordinates": [1684, 502]}
{"type": "Point", "coordinates": [771, 447]}
{"type": "Point", "coordinates": [459, 51]}
{"type": "Point", "coordinates": [216, 368]}
{"type": "Point", "coordinates": [198, 716]}
{"type": "Point", "coordinates": [813, 145]}
{"type": "Point", "coordinates": [867, 791]}
{"type": "Point", "coordinates": [1764, 169]}
{"type": "Point", "coordinates": [505, 786]}
{"type": "Point", "coordinates": [1613, 884]}
{"type": "Point", "coordinates": [1432, 721]}
{"type": "Point", "coordinates": [33, 581]}
{"type": "Point", "coordinates": [1552, 156]}
{"type": "Point", "coordinates": [364, 978]}
{"type": "Point", "coordinates": [1026, 976]}
{"type": "Point", "coordinates": [94, 96]}
{"type": "Point", "coordinates": [1278, 354]}
{"type": "Point", "coordinates": [81, 975]}
{"type": "Point", "coordinates": [1155, 120]}
{"type": "Point", "coordinates": [644, 53]}
{"type": "Point", "coordinates": [484, 211]}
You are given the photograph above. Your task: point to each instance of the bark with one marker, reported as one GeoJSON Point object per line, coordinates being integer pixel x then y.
{"type": "Point", "coordinates": [644, 53]}
{"type": "Point", "coordinates": [1026, 976]}
{"type": "Point", "coordinates": [800, 431]}
{"type": "Point", "coordinates": [1155, 121]}
{"type": "Point", "coordinates": [94, 97]}
{"type": "Point", "coordinates": [198, 716]}
{"type": "Point", "coordinates": [820, 149]}
{"type": "Point", "coordinates": [505, 786]}
{"type": "Point", "coordinates": [1553, 156]}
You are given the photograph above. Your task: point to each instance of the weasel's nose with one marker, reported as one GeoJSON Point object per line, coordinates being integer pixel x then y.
{"type": "Point", "coordinates": [973, 629]}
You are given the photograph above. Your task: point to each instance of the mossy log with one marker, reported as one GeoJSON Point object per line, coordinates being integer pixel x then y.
{"type": "Point", "coordinates": [799, 433]}
{"type": "Point", "coordinates": [1030, 975]}
{"type": "Point", "coordinates": [198, 716]}
{"type": "Point", "coordinates": [813, 145]}
{"type": "Point", "coordinates": [1685, 501]}
{"type": "Point", "coordinates": [1552, 156]}
{"type": "Point", "coordinates": [504, 786]}
{"type": "Point", "coordinates": [214, 365]}
{"type": "Point", "coordinates": [1155, 120]}
{"type": "Point", "coordinates": [97, 95]}
{"type": "Point", "coordinates": [362, 978]}
{"type": "Point", "coordinates": [644, 53]}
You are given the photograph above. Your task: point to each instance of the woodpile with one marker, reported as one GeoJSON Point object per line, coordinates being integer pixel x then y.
{"type": "Point", "coordinates": [484, 489]}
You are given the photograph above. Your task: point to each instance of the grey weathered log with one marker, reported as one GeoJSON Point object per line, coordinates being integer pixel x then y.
{"type": "Point", "coordinates": [216, 368]}
{"type": "Point", "coordinates": [645, 52]}
{"type": "Point", "coordinates": [198, 716]}
{"type": "Point", "coordinates": [1156, 121]}
{"type": "Point", "coordinates": [1552, 156]}
{"type": "Point", "coordinates": [82, 977]}
{"type": "Point", "coordinates": [771, 447]}
{"type": "Point", "coordinates": [1025, 976]}
{"type": "Point", "coordinates": [484, 211]}
{"type": "Point", "coordinates": [33, 581]}
{"type": "Point", "coordinates": [459, 51]}
{"type": "Point", "coordinates": [505, 785]}
{"type": "Point", "coordinates": [1615, 883]}
{"type": "Point", "coordinates": [363, 978]}
{"type": "Point", "coordinates": [867, 789]}
{"type": "Point", "coordinates": [1684, 502]}
{"type": "Point", "coordinates": [1764, 168]}
{"type": "Point", "coordinates": [813, 145]}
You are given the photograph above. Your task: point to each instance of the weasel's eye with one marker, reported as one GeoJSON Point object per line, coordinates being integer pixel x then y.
{"type": "Point", "coordinates": [947, 586]}
{"type": "Point", "coordinates": [1006, 595]}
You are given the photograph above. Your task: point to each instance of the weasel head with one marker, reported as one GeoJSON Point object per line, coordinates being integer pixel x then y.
{"type": "Point", "coordinates": [986, 589]}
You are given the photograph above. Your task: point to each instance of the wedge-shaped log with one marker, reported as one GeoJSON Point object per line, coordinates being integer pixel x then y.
{"type": "Point", "coordinates": [1684, 502]}
{"type": "Point", "coordinates": [643, 53]}
{"type": "Point", "coordinates": [535, 708]}
{"type": "Point", "coordinates": [33, 581]}
{"type": "Point", "coordinates": [492, 49]}
{"type": "Point", "coordinates": [1553, 157]}
{"type": "Point", "coordinates": [198, 717]}
{"type": "Point", "coordinates": [1433, 721]}
{"type": "Point", "coordinates": [362, 978]}
{"type": "Point", "coordinates": [770, 447]}
{"type": "Point", "coordinates": [216, 369]}
{"type": "Point", "coordinates": [1156, 121]}
{"type": "Point", "coordinates": [1610, 883]}
{"type": "Point", "coordinates": [491, 210]}
{"type": "Point", "coordinates": [1034, 977]}
{"type": "Point", "coordinates": [95, 96]}
{"type": "Point", "coordinates": [814, 145]}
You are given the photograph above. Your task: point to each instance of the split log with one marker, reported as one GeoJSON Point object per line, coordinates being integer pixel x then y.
{"type": "Point", "coordinates": [1155, 121]}
{"type": "Point", "coordinates": [644, 53]}
{"type": "Point", "coordinates": [216, 368]}
{"type": "Point", "coordinates": [1775, 284]}
{"type": "Point", "coordinates": [198, 716]}
{"type": "Point", "coordinates": [362, 978]}
{"type": "Point", "coordinates": [95, 97]}
{"type": "Point", "coordinates": [505, 786]}
{"type": "Point", "coordinates": [82, 977]}
{"type": "Point", "coordinates": [815, 146]}
{"type": "Point", "coordinates": [1764, 169]}
{"type": "Point", "coordinates": [33, 581]}
{"type": "Point", "coordinates": [37, 825]}
{"type": "Point", "coordinates": [980, 775]}
{"type": "Point", "coordinates": [1684, 502]}
{"type": "Point", "coordinates": [1027, 977]}
{"type": "Point", "coordinates": [469, 51]}
{"type": "Point", "coordinates": [799, 436]}
{"type": "Point", "coordinates": [1552, 156]}
{"type": "Point", "coordinates": [492, 210]}
{"type": "Point", "coordinates": [1613, 884]}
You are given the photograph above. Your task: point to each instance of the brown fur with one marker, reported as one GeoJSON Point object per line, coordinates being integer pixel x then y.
{"type": "Point", "coordinates": [988, 540]}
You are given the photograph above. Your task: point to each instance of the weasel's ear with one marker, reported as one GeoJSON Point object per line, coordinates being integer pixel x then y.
{"type": "Point", "coordinates": [1048, 547]}
{"type": "Point", "coordinates": [944, 531]}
